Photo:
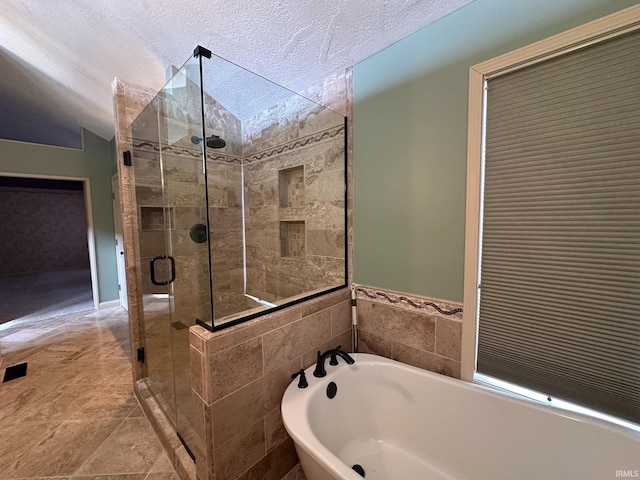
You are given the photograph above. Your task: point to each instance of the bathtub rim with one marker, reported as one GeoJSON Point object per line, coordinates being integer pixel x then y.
{"type": "Point", "coordinates": [296, 401]}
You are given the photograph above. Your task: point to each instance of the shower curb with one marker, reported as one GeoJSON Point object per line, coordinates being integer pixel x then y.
{"type": "Point", "coordinates": [180, 459]}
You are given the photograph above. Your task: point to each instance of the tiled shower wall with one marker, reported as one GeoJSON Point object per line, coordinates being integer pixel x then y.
{"type": "Point", "coordinates": [225, 214]}
{"type": "Point", "coordinates": [224, 177]}
{"type": "Point", "coordinates": [295, 213]}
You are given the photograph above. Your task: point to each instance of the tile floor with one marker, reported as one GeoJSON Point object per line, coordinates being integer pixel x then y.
{"type": "Point", "coordinates": [74, 415]}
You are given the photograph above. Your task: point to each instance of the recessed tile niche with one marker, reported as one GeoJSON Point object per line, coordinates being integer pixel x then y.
{"type": "Point", "coordinates": [291, 186]}
{"type": "Point", "coordinates": [292, 232]}
{"type": "Point", "coordinates": [152, 218]}
{"type": "Point", "coordinates": [292, 239]}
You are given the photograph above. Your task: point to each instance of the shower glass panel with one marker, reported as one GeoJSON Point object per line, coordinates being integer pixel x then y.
{"type": "Point", "coordinates": [277, 193]}
{"type": "Point", "coordinates": [240, 189]}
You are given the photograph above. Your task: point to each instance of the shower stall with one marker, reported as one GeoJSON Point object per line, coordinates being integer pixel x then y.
{"type": "Point", "coordinates": [240, 198]}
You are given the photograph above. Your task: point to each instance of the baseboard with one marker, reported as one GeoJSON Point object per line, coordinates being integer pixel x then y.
{"type": "Point", "coordinates": [109, 304]}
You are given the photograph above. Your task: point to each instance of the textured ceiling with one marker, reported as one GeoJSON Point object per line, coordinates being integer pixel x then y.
{"type": "Point", "coordinates": [76, 48]}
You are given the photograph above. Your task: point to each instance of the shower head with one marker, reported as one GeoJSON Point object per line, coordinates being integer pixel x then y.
{"type": "Point", "coordinates": [214, 141]}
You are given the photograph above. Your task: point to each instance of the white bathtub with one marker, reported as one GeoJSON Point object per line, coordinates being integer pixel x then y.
{"type": "Point", "coordinates": [403, 423]}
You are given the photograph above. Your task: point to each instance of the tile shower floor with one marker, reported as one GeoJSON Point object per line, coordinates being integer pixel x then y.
{"type": "Point", "coordinates": [74, 415]}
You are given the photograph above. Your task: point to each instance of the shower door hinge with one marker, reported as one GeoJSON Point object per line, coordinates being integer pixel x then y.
{"type": "Point", "coordinates": [140, 352]}
{"type": "Point", "coordinates": [126, 158]}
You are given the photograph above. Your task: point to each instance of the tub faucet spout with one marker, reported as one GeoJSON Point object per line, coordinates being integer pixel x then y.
{"type": "Point", "coordinates": [333, 353]}
{"type": "Point", "coordinates": [344, 355]}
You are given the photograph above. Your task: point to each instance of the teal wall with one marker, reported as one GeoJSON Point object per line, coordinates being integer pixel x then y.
{"type": "Point", "coordinates": [410, 135]}
{"type": "Point", "coordinates": [95, 162]}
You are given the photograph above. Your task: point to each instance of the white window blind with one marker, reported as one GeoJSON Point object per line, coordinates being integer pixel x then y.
{"type": "Point", "coordinates": [560, 254]}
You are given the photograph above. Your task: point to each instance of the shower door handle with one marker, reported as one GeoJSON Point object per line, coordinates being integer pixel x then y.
{"type": "Point", "coordinates": [152, 270]}
{"type": "Point", "coordinates": [173, 269]}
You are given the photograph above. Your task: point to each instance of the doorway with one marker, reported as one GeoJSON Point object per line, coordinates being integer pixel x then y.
{"type": "Point", "coordinates": [48, 255]}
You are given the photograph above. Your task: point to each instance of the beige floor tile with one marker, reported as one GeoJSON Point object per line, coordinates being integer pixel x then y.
{"type": "Point", "coordinates": [125, 377]}
{"type": "Point", "coordinates": [162, 476]}
{"type": "Point", "coordinates": [114, 401]}
{"type": "Point", "coordinates": [162, 464]}
{"type": "Point", "coordinates": [131, 448]}
{"type": "Point", "coordinates": [125, 476]}
{"type": "Point", "coordinates": [18, 439]}
{"type": "Point", "coordinates": [49, 355]}
{"type": "Point", "coordinates": [60, 404]}
{"type": "Point", "coordinates": [45, 478]}
{"type": "Point", "coordinates": [23, 399]}
{"type": "Point", "coordinates": [137, 412]}
{"type": "Point", "coordinates": [104, 373]}
{"type": "Point", "coordinates": [64, 450]}
{"type": "Point", "coordinates": [74, 416]}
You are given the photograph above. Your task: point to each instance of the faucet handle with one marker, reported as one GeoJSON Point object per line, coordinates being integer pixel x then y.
{"type": "Point", "coordinates": [319, 371]}
{"type": "Point", "coordinates": [334, 356]}
{"type": "Point", "coordinates": [302, 382]}
{"type": "Point", "coordinates": [334, 359]}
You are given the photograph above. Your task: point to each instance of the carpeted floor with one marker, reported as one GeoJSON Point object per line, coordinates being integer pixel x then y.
{"type": "Point", "coordinates": [36, 296]}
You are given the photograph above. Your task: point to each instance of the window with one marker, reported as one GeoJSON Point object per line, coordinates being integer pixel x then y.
{"type": "Point", "coordinates": [552, 277]}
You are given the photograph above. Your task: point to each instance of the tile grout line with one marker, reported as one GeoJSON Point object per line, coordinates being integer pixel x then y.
{"type": "Point", "coordinates": [22, 454]}
{"type": "Point", "coordinates": [98, 447]}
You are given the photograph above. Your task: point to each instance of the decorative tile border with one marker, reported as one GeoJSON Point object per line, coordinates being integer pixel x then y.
{"type": "Point", "coordinates": [409, 302]}
{"type": "Point", "coordinates": [299, 143]}
{"type": "Point", "coordinates": [329, 134]}
{"type": "Point", "coordinates": [147, 146]}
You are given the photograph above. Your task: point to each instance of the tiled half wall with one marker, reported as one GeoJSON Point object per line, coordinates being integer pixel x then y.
{"type": "Point", "coordinates": [420, 331]}
{"type": "Point", "coordinates": [239, 376]}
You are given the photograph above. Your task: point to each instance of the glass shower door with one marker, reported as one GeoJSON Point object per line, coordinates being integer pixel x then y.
{"type": "Point", "coordinates": [153, 263]}
{"type": "Point", "coordinates": [173, 240]}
